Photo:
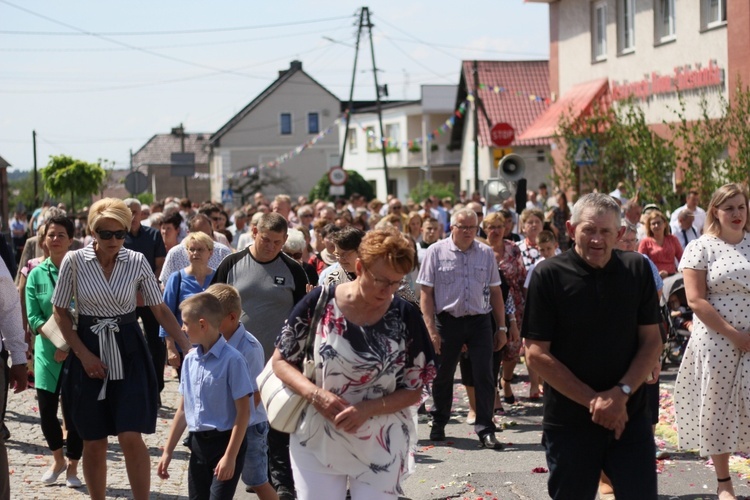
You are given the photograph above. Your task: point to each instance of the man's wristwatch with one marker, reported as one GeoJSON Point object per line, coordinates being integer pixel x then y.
{"type": "Point", "coordinates": [625, 388]}
{"type": "Point", "coordinates": [502, 329]}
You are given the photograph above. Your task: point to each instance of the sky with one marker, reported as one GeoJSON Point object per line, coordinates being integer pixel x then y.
{"type": "Point", "coordinates": [96, 79]}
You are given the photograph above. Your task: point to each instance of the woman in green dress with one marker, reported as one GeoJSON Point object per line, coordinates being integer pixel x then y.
{"type": "Point", "coordinates": [48, 359]}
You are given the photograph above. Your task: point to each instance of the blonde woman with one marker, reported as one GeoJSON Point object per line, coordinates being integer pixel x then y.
{"type": "Point", "coordinates": [711, 393]}
{"type": "Point", "coordinates": [109, 385]}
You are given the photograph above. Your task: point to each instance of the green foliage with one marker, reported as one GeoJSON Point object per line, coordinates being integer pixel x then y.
{"type": "Point", "coordinates": [64, 174]}
{"type": "Point", "coordinates": [737, 162]}
{"type": "Point", "coordinates": [145, 198]}
{"type": "Point", "coordinates": [710, 151]}
{"type": "Point", "coordinates": [354, 184]}
{"type": "Point", "coordinates": [437, 189]}
{"type": "Point", "coordinates": [703, 142]}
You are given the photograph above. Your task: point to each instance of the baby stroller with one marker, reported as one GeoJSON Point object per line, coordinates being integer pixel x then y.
{"type": "Point", "coordinates": [677, 317]}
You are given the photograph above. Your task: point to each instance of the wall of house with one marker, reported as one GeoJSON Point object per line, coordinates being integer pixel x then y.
{"type": "Point", "coordinates": [258, 139]}
{"type": "Point", "coordinates": [404, 166]}
{"type": "Point", "coordinates": [692, 46]}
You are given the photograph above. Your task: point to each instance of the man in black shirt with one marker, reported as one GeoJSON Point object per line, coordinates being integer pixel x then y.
{"type": "Point", "coordinates": [148, 241]}
{"type": "Point", "coordinates": [591, 333]}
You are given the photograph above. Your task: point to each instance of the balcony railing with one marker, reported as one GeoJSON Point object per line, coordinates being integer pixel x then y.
{"type": "Point", "coordinates": [404, 158]}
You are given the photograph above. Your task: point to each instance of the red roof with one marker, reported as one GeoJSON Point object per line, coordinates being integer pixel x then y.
{"type": "Point", "coordinates": [576, 102]}
{"type": "Point", "coordinates": [515, 92]}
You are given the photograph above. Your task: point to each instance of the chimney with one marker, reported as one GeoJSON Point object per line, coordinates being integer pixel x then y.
{"type": "Point", "coordinates": [294, 65]}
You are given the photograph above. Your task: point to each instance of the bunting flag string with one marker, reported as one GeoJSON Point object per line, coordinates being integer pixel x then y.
{"type": "Point", "coordinates": [410, 144]}
{"type": "Point", "coordinates": [281, 159]}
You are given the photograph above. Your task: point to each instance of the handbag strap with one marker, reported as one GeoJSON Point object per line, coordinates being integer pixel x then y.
{"type": "Point", "coordinates": [319, 307]}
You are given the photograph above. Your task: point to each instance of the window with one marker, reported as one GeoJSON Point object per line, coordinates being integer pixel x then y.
{"type": "Point", "coordinates": [393, 133]}
{"type": "Point", "coordinates": [313, 123]}
{"type": "Point", "coordinates": [664, 21]}
{"type": "Point", "coordinates": [599, 31]}
{"type": "Point", "coordinates": [626, 25]}
{"type": "Point", "coordinates": [713, 13]}
{"type": "Point", "coordinates": [372, 142]}
{"type": "Point", "coordinates": [286, 123]}
{"type": "Point", "coordinates": [352, 140]}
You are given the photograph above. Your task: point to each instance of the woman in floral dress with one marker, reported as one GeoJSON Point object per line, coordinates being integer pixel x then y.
{"type": "Point", "coordinates": [373, 355]}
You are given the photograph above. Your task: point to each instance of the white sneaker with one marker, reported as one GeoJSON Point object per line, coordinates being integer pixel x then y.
{"type": "Point", "coordinates": [50, 477]}
{"type": "Point", "coordinates": [73, 482]}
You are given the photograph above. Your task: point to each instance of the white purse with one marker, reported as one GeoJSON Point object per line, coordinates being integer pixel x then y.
{"type": "Point", "coordinates": [283, 406]}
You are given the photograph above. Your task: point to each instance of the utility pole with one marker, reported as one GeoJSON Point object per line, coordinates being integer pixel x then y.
{"type": "Point", "coordinates": [351, 90]}
{"type": "Point", "coordinates": [181, 132]}
{"type": "Point", "coordinates": [364, 22]}
{"type": "Point", "coordinates": [383, 142]}
{"type": "Point", "coordinates": [475, 71]}
{"type": "Point", "coordinates": [36, 176]}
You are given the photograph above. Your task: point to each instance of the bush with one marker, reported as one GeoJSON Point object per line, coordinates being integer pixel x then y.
{"type": "Point", "coordinates": [354, 184]}
{"type": "Point", "coordinates": [437, 189]}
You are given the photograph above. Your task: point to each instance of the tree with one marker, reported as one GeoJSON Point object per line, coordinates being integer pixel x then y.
{"type": "Point", "coordinates": [64, 174]}
{"type": "Point", "coordinates": [703, 143]}
{"type": "Point", "coordinates": [625, 150]}
{"type": "Point", "coordinates": [354, 184]}
{"type": "Point", "coordinates": [438, 189]}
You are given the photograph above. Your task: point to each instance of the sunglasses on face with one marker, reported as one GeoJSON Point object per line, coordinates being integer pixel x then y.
{"type": "Point", "coordinates": [108, 235]}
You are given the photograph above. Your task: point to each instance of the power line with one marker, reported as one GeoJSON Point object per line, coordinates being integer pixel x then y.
{"type": "Point", "coordinates": [175, 46]}
{"type": "Point", "coordinates": [164, 32]}
{"type": "Point", "coordinates": [435, 46]}
{"type": "Point", "coordinates": [415, 61]}
{"type": "Point", "coordinates": [123, 44]}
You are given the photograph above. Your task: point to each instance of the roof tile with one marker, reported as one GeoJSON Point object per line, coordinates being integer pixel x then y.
{"type": "Point", "coordinates": [520, 80]}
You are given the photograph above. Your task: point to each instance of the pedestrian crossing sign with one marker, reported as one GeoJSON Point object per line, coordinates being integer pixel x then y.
{"type": "Point", "coordinates": [586, 153]}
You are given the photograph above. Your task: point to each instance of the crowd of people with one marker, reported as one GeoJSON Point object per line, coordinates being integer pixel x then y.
{"type": "Point", "coordinates": [396, 296]}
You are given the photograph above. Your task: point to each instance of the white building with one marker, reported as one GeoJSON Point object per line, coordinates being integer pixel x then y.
{"type": "Point", "coordinates": [415, 150]}
{"type": "Point", "coordinates": [648, 49]}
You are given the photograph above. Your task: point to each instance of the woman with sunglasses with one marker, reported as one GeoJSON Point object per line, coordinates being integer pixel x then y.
{"type": "Point", "coordinates": [375, 357]}
{"type": "Point", "coordinates": [109, 384]}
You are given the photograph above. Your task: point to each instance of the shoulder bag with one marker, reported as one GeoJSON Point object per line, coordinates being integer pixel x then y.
{"type": "Point", "coordinates": [284, 407]}
{"type": "Point", "coordinates": [50, 328]}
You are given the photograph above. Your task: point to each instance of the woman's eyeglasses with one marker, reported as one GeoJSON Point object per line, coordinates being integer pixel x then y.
{"type": "Point", "coordinates": [380, 282]}
{"type": "Point", "coordinates": [108, 235]}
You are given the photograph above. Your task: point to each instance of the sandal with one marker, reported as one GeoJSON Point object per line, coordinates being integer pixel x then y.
{"type": "Point", "coordinates": [512, 398]}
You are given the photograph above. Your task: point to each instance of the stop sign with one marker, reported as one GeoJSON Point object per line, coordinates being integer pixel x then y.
{"type": "Point", "coordinates": [502, 134]}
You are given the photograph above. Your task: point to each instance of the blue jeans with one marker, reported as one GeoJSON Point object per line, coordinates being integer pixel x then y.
{"type": "Point", "coordinates": [255, 471]}
{"type": "Point", "coordinates": [576, 455]}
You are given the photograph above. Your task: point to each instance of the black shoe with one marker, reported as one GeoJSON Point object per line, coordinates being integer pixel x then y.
{"type": "Point", "coordinates": [490, 441]}
{"type": "Point", "coordinates": [437, 433]}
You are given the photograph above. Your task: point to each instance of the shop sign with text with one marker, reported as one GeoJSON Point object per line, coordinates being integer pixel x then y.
{"type": "Point", "coordinates": [684, 78]}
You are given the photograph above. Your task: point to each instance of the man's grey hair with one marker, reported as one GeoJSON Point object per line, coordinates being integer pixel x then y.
{"type": "Point", "coordinates": [464, 212]}
{"type": "Point", "coordinates": [295, 242]}
{"type": "Point", "coordinates": [599, 202]}
{"type": "Point", "coordinates": [156, 218]}
{"type": "Point", "coordinates": [132, 201]}
{"type": "Point", "coordinates": [171, 208]}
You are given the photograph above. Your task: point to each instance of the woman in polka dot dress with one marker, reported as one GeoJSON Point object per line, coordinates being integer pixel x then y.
{"type": "Point", "coordinates": [712, 394]}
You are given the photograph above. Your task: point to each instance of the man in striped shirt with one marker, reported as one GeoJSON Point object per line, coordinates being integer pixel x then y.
{"type": "Point", "coordinates": [460, 294]}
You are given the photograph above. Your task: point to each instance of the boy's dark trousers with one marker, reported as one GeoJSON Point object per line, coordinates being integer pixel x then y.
{"type": "Point", "coordinates": [206, 449]}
